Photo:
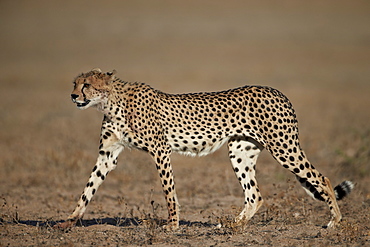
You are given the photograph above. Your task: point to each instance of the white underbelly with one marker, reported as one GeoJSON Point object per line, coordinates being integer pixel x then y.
{"type": "Point", "coordinates": [200, 150]}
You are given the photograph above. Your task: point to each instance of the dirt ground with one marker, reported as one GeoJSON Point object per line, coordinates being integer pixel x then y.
{"type": "Point", "coordinates": [316, 52]}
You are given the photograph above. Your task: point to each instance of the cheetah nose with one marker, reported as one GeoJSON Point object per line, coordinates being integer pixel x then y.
{"type": "Point", "coordinates": [74, 97]}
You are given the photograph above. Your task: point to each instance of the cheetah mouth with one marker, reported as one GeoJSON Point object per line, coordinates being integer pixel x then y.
{"type": "Point", "coordinates": [83, 104]}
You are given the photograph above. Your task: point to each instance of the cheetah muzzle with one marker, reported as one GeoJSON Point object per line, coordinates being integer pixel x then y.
{"type": "Point", "coordinates": [79, 105]}
{"type": "Point", "coordinates": [249, 119]}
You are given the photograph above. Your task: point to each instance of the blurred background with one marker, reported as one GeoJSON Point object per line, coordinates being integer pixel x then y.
{"type": "Point", "coordinates": [316, 52]}
{"type": "Point", "coordinates": [187, 46]}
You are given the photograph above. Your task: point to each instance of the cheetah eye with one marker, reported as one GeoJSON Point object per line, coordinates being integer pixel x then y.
{"type": "Point", "coordinates": [86, 85]}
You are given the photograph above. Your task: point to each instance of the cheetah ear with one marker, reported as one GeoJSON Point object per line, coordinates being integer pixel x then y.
{"type": "Point", "coordinates": [96, 70]}
{"type": "Point", "coordinates": [111, 75]}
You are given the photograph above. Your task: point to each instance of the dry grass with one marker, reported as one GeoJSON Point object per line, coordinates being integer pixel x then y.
{"type": "Point", "coordinates": [316, 52]}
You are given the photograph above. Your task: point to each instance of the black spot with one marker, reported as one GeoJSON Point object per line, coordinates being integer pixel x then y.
{"type": "Point", "coordinates": [318, 196]}
{"type": "Point", "coordinates": [252, 183]}
{"type": "Point", "coordinates": [302, 180]}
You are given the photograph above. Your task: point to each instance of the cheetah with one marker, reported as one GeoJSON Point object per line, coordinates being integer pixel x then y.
{"type": "Point", "coordinates": [249, 119]}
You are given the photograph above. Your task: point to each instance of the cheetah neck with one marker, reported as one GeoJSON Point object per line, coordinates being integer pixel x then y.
{"type": "Point", "coordinates": [103, 106]}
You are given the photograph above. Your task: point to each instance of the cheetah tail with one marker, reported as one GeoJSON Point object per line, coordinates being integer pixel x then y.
{"type": "Point", "coordinates": [343, 189]}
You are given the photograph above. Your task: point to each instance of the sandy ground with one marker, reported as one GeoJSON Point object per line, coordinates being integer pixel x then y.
{"type": "Point", "coordinates": [316, 52]}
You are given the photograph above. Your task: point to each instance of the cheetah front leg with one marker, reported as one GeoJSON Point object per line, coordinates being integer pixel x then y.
{"type": "Point", "coordinates": [106, 162]}
{"type": "Point", "coordinates": [161, 157]}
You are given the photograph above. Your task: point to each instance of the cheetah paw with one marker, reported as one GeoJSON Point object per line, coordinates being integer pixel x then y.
{"type": "Point", "coordinates": [171, 226]}
{"type": "Point", "coordinates": [66, 224]}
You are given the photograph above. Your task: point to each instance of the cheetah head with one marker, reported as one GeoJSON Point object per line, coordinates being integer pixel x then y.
{"type": "Point", "coordinates": [92, 88]}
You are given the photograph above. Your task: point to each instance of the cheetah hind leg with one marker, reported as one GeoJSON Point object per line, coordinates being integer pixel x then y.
{"type": "Point", "coordinates": [339, 192]}
{"type": "Point", "coordinates": [315, 184]}
{"type": "Point", "coordinates": [243, 154]}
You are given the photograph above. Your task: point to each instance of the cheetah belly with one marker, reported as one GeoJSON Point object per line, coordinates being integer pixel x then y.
{"type": "Point", "coordinates": [200, 149]}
